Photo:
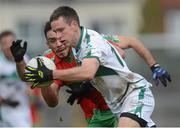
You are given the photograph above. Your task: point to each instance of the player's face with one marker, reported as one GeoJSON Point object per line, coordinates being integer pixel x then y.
{"type": "Point", "coordinates": [5, 43]}
{"type": "Point", "coordinates": [66, 32]}
{"type": "Point", "coordinates": [58, 48]}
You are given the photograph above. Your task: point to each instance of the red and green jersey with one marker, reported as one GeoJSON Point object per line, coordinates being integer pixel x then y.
{"type": "Point", "coordinates": [95, 101]}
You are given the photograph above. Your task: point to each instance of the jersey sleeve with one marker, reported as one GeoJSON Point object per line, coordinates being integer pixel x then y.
{"type": "Point", "coordinates": [95, 48]}
{"type": "Point", "coordinates": [112, 38]}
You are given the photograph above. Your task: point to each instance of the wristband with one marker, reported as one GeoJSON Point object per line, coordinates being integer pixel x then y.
{"type": "Point", "coordinates": [154, 66]}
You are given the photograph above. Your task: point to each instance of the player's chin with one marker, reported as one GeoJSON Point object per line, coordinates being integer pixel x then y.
{"type": "Point", "coordinates": [62, 55]}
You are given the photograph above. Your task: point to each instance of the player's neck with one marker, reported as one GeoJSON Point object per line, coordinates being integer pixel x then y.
{"type": "Point", "coordinates": [77, 37]}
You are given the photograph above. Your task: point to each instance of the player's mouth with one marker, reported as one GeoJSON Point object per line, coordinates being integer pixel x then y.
{"type": "Point", "coordinates": [60, 49]}
{"type": "Point", "coordinates": [62, 54]}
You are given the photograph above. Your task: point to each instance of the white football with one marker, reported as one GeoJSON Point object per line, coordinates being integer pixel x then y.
{"type": "Point", "coordinates": [47, 62]}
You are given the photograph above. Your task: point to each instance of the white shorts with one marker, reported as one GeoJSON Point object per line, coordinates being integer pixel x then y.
{"type": "Point", "coordinates": [139, 105]}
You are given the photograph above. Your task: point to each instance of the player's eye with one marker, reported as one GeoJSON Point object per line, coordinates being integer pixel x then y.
{"type": "Point", "coordinates": [52, 40]}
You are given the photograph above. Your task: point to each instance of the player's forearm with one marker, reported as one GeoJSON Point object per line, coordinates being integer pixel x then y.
{"type": "Point", "coordinates": [50, 96]}
{"type": "Point", "coordinates": [86, 71]}
{"type": "Point", "coordinates": [142, 51]}
{"type": "Point", "coordinates": [73, 74]}
{"type": "Point", "coordinates": [20, 66]}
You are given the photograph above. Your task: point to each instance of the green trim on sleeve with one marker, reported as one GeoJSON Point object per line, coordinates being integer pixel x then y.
{"type": "Point", "coordinates": [112, 38]}
{"type": "Point", "coordinates": [104, 71]}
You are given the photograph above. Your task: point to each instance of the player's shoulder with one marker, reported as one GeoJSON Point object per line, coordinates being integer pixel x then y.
{"type": "Point", "coordinates": [49, 54]}
{"type": "Point", "coordinates": [88, 34]}
{"type": "Point", "coordinates": [92, 33]}
{"type": "Point", "coordinates": [95, 37]}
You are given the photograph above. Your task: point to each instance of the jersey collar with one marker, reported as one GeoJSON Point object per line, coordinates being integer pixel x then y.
{"type": "Point", "coordinates": [69, 58]}
{"type": "Point", "coordinates": [83, 33]}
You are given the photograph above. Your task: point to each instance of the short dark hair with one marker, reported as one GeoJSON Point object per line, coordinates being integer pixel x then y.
{"type": "Point", "coordinates": [67, 12]}
{"type": "Point", "coordinates": [47, 28]}
{"type": "Point", "coordinates": [6, 33]}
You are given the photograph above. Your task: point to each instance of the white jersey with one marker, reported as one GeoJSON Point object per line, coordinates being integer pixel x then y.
{"type": "Point", "coordinates": [13, 89]}
{"type": "Point", "coordinates": [113, 79]}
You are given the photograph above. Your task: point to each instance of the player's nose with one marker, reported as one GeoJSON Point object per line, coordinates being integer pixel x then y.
{"type": "Point", "coordinates": [59, 35]}
{"type": "Point", "coordinates": [60, 45]}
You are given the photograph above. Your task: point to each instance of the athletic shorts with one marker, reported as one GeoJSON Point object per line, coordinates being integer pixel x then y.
{"type": "Point", "coordinates": [139, 105]}
{"type": "Point", "coordinates": [102, 118]}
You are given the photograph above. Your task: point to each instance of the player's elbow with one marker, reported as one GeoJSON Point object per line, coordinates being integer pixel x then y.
{"type": "Point", "coordinates": [50, 98]}
{"type": "Point", "coordinates": [89, 76]}
{"type": "Point", "coordinates": [52, 104]}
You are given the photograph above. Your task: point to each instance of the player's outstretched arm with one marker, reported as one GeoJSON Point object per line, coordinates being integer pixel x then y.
{"type": "Point", "coordinates": [159, 73]}
{"type": "Point", "coordinates": [138, 46]}
{"type": "Point", "coordinates": [18, 53]}
{"type": "Point", "coordinates": [21, 69]}
{"type": "Point", "coordinates": [50, 95]}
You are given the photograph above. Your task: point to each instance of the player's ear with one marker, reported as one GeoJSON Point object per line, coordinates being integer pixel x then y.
{"type": "Point", "coordinates": [74, 23]}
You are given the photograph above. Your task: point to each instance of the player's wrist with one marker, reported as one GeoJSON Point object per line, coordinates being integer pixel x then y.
{"type": "Point", "coordinates": [20, 62]}
{"type": "Point", "coordinates": [55, 74]}
{"type": "Point", "coordinates": [154, 66]}
{"type": "Point", "coordinates": [18, 59]}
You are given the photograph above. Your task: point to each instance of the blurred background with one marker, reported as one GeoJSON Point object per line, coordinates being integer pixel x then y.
{"type": "Point", "coordinates": [154, 22]}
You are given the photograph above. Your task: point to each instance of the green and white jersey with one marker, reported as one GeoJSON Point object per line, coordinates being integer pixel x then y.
{"type": "Point", "coordinates": [113, 79]}
{"type": "Point", "coordinates": [14, 89]}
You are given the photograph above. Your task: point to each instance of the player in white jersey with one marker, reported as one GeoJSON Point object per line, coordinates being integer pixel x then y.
{"type": "Point", "coordinates": [127, 93]}
{"type": "Point", "coordinates": [14, 101]}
